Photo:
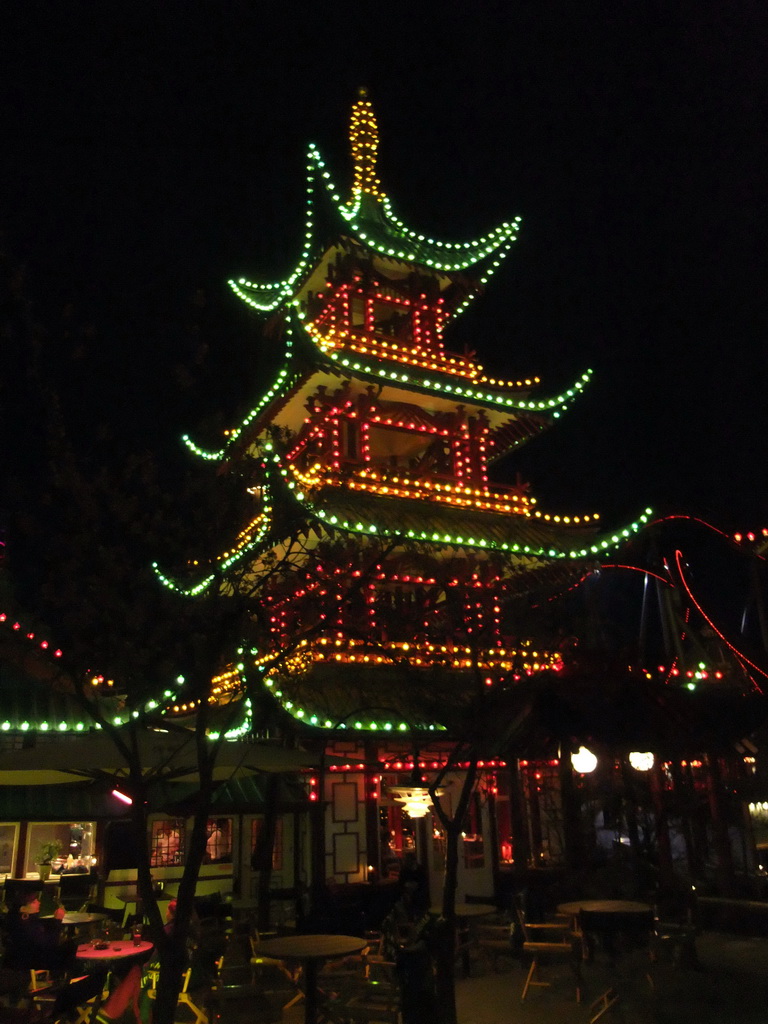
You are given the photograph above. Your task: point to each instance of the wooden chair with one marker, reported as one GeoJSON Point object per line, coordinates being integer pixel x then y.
{"type": "Point", "coordinates": [372, 998]}
{"type": "Point", "coordinates": [263, 964]}
{"type": "Point", "coordinates": [186, 998]}
{"type": "Point", "coordinates": [548, 943]}
{"type": "Point", "coordinates": [76, 890]}
{"type": "Point", "coordinates": [675, 929]}
{"type": "Point", "coordinates": [619, 937]}
{"type": "Point", "coordinates": [494, 941]}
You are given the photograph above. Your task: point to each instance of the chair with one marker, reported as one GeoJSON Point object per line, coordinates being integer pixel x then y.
{"type": "Point", "coordinates": [620, 934]}
{"type": "Point", "coordinates": [367, 999]}
{"type": "Point", "coordinates": [548, 943]}
{"type": "Point", "coordinates": [261, 964]}
{"type": "Point", "coordinates": [81, 999]}
{"type": "Point", "coordinates": [75, 890]}
{"type": "Point", "coordinates": [245, 1001]}
{"type": "Point", "coordinates": [494, 941]}
{"type": "Point", "coordinates": [41, 991]}
{"type": "Point", "coordinates": [675, 929]}
{"type": "Point", "coordinates": [186, 998]}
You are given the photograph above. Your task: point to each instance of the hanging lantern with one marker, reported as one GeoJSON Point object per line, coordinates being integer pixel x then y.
{"type": "Point", "coordinates": [583, 761]}
{"type": "Point", "coordinates": [415, 799]}
{"type": "Point", "coordinates": [641, 761]}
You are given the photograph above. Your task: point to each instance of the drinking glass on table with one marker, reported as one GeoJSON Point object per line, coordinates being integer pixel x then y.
{"type": "Point", "coordinates": [137, 932]}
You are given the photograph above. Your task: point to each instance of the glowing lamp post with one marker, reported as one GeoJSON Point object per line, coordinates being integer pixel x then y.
{"type": "Point", "coordinates": [583, 761]}
{"type": "Point", "coordinates": [641, 761]}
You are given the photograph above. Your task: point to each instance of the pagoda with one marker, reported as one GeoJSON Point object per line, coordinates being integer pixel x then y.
{"type": "Point", "coordinates": [390, 566]}
{"type": "Point", "coordinates": [386, 440]}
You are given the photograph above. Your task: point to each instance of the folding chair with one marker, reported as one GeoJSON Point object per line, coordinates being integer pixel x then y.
{"type": "Point", "coordinates": [186, 997]}
{"type": "Point", "coordinates": [550, 943]}
{"type": "Point", "coordinates": [259, 963]}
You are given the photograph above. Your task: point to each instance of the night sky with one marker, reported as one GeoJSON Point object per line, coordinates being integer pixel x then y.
{"type": "Point", "coordinates": [152, 151]}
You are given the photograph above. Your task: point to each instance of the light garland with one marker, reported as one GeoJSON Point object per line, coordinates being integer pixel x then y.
{"type": "Point", "coordinates": [247, 540]}
{"type": "Point", "coordinates": [440, 538]}
{"type": "Point", "coordinates": [364, 143]}
{"type": "Point", "coordinates": [68, 724]}
{"type": "Point", "coordinates": [421, 655]}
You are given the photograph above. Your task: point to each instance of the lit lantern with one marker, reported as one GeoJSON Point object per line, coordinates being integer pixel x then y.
{"type": "Point", "coordinates": [415, 798]}
{"type": "Point", "coordinates": [583, 761]}
{"type": "Point", "coordinates": [641, 761]}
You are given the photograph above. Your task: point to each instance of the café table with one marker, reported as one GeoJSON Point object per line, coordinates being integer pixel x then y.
{"type": "Point", "coordinates": [465, 913]}
{"type": "Point", "coordinates": [76, 918]}
{"type": "Point", "coordinates": [607, 918]}
{"type": "Point", "coordinates": [612, 909]}
{"type": "Point", "coordinates": [310, 950]}
{"type": "Point", "coordinates": [115, 952]}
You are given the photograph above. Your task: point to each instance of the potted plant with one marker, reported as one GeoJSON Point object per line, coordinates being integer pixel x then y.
{"type": "Point", "coordinates": [48, 852]}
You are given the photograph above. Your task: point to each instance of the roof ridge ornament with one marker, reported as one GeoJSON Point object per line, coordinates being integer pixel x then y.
{"type": "Point", "coordinates": [364, 144]}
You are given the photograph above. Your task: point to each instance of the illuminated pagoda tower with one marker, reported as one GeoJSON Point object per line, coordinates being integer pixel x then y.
{"type": "Point", "coordinates": [376, 443]}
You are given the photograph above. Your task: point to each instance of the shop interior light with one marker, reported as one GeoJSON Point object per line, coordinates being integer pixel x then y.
{"type": "Point", "coordinates": [121, 796]}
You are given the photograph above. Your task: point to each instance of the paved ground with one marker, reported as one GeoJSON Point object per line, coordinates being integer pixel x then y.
{"type": "Point", "coordinates": [730, 988]}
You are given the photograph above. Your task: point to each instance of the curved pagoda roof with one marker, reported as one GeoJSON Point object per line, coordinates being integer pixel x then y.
{"type": "Point", "coordinates": [513, 412]}
{"type": "Point", "coordinates": [368, 216]}
{"type": "Point", "coordinates": [426, 382]}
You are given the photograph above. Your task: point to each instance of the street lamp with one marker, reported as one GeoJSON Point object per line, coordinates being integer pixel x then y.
{"type": "Point", "coordinates": [583, 761]}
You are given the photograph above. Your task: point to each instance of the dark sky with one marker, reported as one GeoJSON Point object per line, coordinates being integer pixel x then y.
{"type": "Point", "coordinates": [152, 150]}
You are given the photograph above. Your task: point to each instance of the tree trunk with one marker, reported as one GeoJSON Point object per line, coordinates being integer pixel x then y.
{"type": "Point", "coordinates": [720, 833]}
{"type": "Point", "coordinates": [264, 853]}
{"type": "Point", "coordinates": [445, 945]}
{"type": "Point", "coordinates": [171, 944]}
{"type": "Point", "coordinates": [444, 952]}
{"type": "Point", "coordinates": [572, 831]}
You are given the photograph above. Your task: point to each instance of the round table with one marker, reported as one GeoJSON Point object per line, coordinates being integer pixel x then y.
{"type": "Point", "coordinates": [604, 907]}
{"type": "Point", "coordinates": [310, 950]}
{"type": "Point", "coordinates": [74, 918]}
{"type": "Point", "coordinates": [104, 958]}
{"type": "Point", "coordinates": [608, 918]}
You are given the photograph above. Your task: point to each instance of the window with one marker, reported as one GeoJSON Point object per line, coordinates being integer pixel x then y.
{"type": "Point", "coordinates": [69, 845]}
{"type": "Point", "coordinates": [167, 842]}
{"type": "Point", "coordinates": [8, 834]}
{"type": "Point", "coordinates": [218, 846]}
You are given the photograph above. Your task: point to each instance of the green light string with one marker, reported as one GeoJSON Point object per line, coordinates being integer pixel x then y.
{"type": "Point", "coordinates": [302, 715]}
{"type": "Point", "coordinates": [69, 725]}
{"type": "Point", "coordinates": [469, 253]}
{"type": "Point", "coordinates": [283, 289]}
{"type": "Point", "coordinates": [438, 387]}
{"type": "Point", "coordinates": [283, 379]}
{"type": "Point", "coordinates": [225, 563]}
{"type": "Point", "coordinates": [266, 297]}
{"type": "Point", "coordinates": [435, 537]}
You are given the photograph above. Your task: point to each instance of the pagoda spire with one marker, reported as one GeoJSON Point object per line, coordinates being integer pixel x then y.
{"type": "Point", "coordinates": [364, 143]}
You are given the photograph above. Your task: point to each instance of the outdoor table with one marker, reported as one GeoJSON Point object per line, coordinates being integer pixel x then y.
{"type": "Point", "coordinates": [105, 959]}
{"type": "Point", "coordinates": [612, 910]}
{"type": "Point", "coordinates": [464, 913]}
{"type": "Point", "coordinates": [310, 950]}
{"type": "Point", "coordinates": [608, 917]}
{"type": "Point", "coordinates": [76, 918]}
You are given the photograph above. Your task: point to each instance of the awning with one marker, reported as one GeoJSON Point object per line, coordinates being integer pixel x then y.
{"type": "Point", "coordinates": [168, 756]}
{"type": "Point", "coordinates": [94, 802]}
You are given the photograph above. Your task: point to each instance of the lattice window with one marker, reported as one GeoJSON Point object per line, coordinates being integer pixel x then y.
{"type": "Point", "coordinates": [167, 841]}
